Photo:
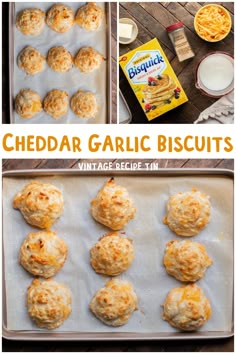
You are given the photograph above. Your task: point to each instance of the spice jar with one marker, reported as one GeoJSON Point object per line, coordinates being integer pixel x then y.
{"type": "Point", "coordinates": [180, 42]}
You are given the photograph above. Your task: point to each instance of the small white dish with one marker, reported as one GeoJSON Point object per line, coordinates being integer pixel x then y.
{"type": "Point", "coordinates": [134, 33]}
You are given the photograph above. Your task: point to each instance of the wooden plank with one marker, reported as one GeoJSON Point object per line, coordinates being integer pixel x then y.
{"type": "Point", "coordinates": [147, 20]}
{"type": "Point", "coordinates": [143, 36]}
{"type": "Point", "coordinates": [171, 163]}
{"type": "Point", "coordinates": [192, 7]}
{"type": "Point", "coordinates": [202, 163]}
{"type": "Point", "coordinates": [20, 164]}
{"type": "Point", "coordinates": [57, 163]}
{"type": "Point", "coordinates": [113, 6]}
{"type": "Point", "coordinates": [226, 163]}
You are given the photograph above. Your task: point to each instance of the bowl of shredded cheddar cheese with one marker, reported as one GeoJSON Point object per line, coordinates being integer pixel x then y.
{"type": "Point", "coordinates": [212, 22]}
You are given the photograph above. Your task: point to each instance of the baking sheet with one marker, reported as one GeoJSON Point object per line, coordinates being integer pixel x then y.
{"type": "Point", "coordinates": [147, 274]}
{"type": "Point", "coordinates": [71, 81]}
{"type": "Point", "coordinates": [124, 111]}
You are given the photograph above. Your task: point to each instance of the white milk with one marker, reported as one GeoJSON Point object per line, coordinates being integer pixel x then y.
{"type": "Point", "coordinates": [216, 72]}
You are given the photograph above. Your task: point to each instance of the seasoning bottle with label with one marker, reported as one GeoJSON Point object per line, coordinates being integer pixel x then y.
{"type": "Point", "coordinates": [180, 42]}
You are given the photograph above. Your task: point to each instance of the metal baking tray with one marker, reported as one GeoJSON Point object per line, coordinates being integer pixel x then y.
{"type": "Point", "coordinates": [110, 335]}
{"type": "Point", "coordinates": [125, 115]}
{"type": "Point", "coordinates": [12, 16]}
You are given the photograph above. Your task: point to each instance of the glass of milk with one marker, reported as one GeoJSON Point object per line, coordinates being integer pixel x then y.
{"type": "Point", "coordinates": [215, 74]}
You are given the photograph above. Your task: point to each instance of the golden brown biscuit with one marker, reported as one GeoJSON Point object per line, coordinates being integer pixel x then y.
{"type": "Point", "coordinates": [41, 204]}
{"type": "Point", "coordinates": [187, 308]}
{"type": "Point", "coordinates": [115, 303]}
{"type": "Point", "coordinates": [88, 59]}
{"type": "Point", "coordinates": [28, 103]}
{"type": "Point", "coordinates": [30, 21]}
{"type": "Point", "coordinates": [113, 206]}
{"type": "Point", "coordinates": [89, 16]}
{"type": "Point", "coordinates": [49, 303]}
{"type": "Point", "coordinates": [31, 61]}
{"type": "Point", "coordinates": [59, 59]}
{"type": "Point", "coordinates": [188, 212]}
{"type": "Point", "coordinates": [60, 18]}
{"type": "Point", "coordinates": [186, 260]}
{"type": "Point", "coordinates": [56, 103]}
{"type": "Point", "coordinates": [112, 254]}
{"type": "Point", "coordinates": [43, 253]}
{"type": "Point", "coordinates": [84, 104]}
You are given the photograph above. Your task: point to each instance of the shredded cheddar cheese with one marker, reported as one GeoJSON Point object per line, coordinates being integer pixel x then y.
{"type": "Point", "coordinates": [212, 22]}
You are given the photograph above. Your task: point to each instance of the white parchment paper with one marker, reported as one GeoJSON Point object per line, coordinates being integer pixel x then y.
{"type": "Point", "coordinates": [70, 81]}
{"type": "Point", "coordinates": [149, 278]}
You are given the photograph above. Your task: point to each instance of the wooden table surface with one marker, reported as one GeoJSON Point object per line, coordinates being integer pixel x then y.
{"type": "Point", "coordinates": [222, 345]}
{"type": "Point", "coordinates": [5, 62]}
{"type": "Point", "coordinates": [152, 18]}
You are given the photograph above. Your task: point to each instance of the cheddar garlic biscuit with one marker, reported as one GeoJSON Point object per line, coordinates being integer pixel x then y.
{"type": "Point", "coordinates": [115, 303]}
{"type": "Point", "coordinates": [28, 103]}
{"type": "Point", "coordinates": [186, 260]}
{"type": "Point", "coordinates": [89, 16]}
{"type": "Point", "coordinates": [30, 21]}
{"type": "Point", "coordinates": [188, 212]}
{"type": "Point", "coordinates": [43, 253]}
{"type": "Point", "coordinates": [41, 204]}
{"type": "Point", "coordinates": [112, 254]}
{"type": "Point", "coordinates": [88, 59]}
{"type": "Point", "coordinates": [31, 61]}
{"type": "Point", "coordinates": [60, 18]}
{"type": "Point", "coordinates": [84, 104]}
{"type": "Point", "coordinates": [56, 103]}
{"type": "Point", "coordinates": [59, 59]}
{"type": "Point", "coordinates": [48, 303]}
{"type": "Point", "coordinates": [113, 206]}
{"type": "Point", "coordinates": [187, 308]}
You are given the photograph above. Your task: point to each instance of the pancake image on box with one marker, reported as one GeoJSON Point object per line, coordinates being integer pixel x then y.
{"type": "Point", "coordinates": [186, 260]}
{"type": "Point", "coordinates": [88, 59]}
{"type": "Point", "coordinates": [115, 303]}
{"type": "Point", "coordinates": [56, 103]}
{"type": "Point", "coordinates": [41, 204]}
{"type": "Point", "coordinates": [28, 103]}
{"type": "Point", "coordinates": [84, 104]}
{"type": "Point", "coordinates": [112, 254]}
{"type": "Point", "coordinates": [48, 303]}
{"type": "Point", "coordinates": [59, 59]}
{"type": "Point", "coordinates": [186, 308]}
{"type": "Point", "coordinates": [31, 61]}
{"type": "Point", "coordinates": [187, 213]}
{"type": "Point", "coordinates": [113, 206]}
{"type": "Point", "coordinates": [30, 21]}
{"type": "Point", "coordinates": [43, 253]}
{"type": "Point", "coordinates": [89, 16]}
{"type": "Point", "coordinates": [60, 18]}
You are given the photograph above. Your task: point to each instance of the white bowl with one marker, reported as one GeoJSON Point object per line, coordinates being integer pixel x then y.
{"type": "Point", "coordinates": [214, 75]}
{"type": "Point", "coordinates": [134, 31]}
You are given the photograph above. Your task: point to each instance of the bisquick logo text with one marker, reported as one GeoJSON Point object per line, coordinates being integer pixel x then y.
{"type": "Point", "coordinates": [135, 70]}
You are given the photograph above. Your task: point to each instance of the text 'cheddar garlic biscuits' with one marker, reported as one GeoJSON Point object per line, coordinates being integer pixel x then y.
{"type": "Point", "coordinates": [31, 61]}
{"type": "Point", "coordinates": [41, 204]}
{"type": "Point", "coordinates": [187, 308]}
{"type": "Point", "coordinates": [89, 16]}
{"type": "Point", "coordinates": [59, 59]}
{"type": "Point", "coordinates": [30, 21]}
{"type": "Point", "coordinates": [88, 59]}
{"type": "Point", "coordinates": [56, 103]}
{"type": "Point", "coordinates": [112, 254]}
{"type": "Point", "coordinates": [49, 303]}
{"type": "Point", "coordinates": [43, 253]}
{"type": "Point", "coordinates": [115, 303]}
{"type": "Point", "coordinates": [60, 18]}
{"type": "Point", "coordinates": [186, 260]}
{"type": "Point", "coordinates": [84, 104]}
{"type": "Point", "coordinates": [28, 103]}
{"type": "Point", "coordinates": [187, 213]}
{"type": "Point", "coordinates": [113, 206]}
